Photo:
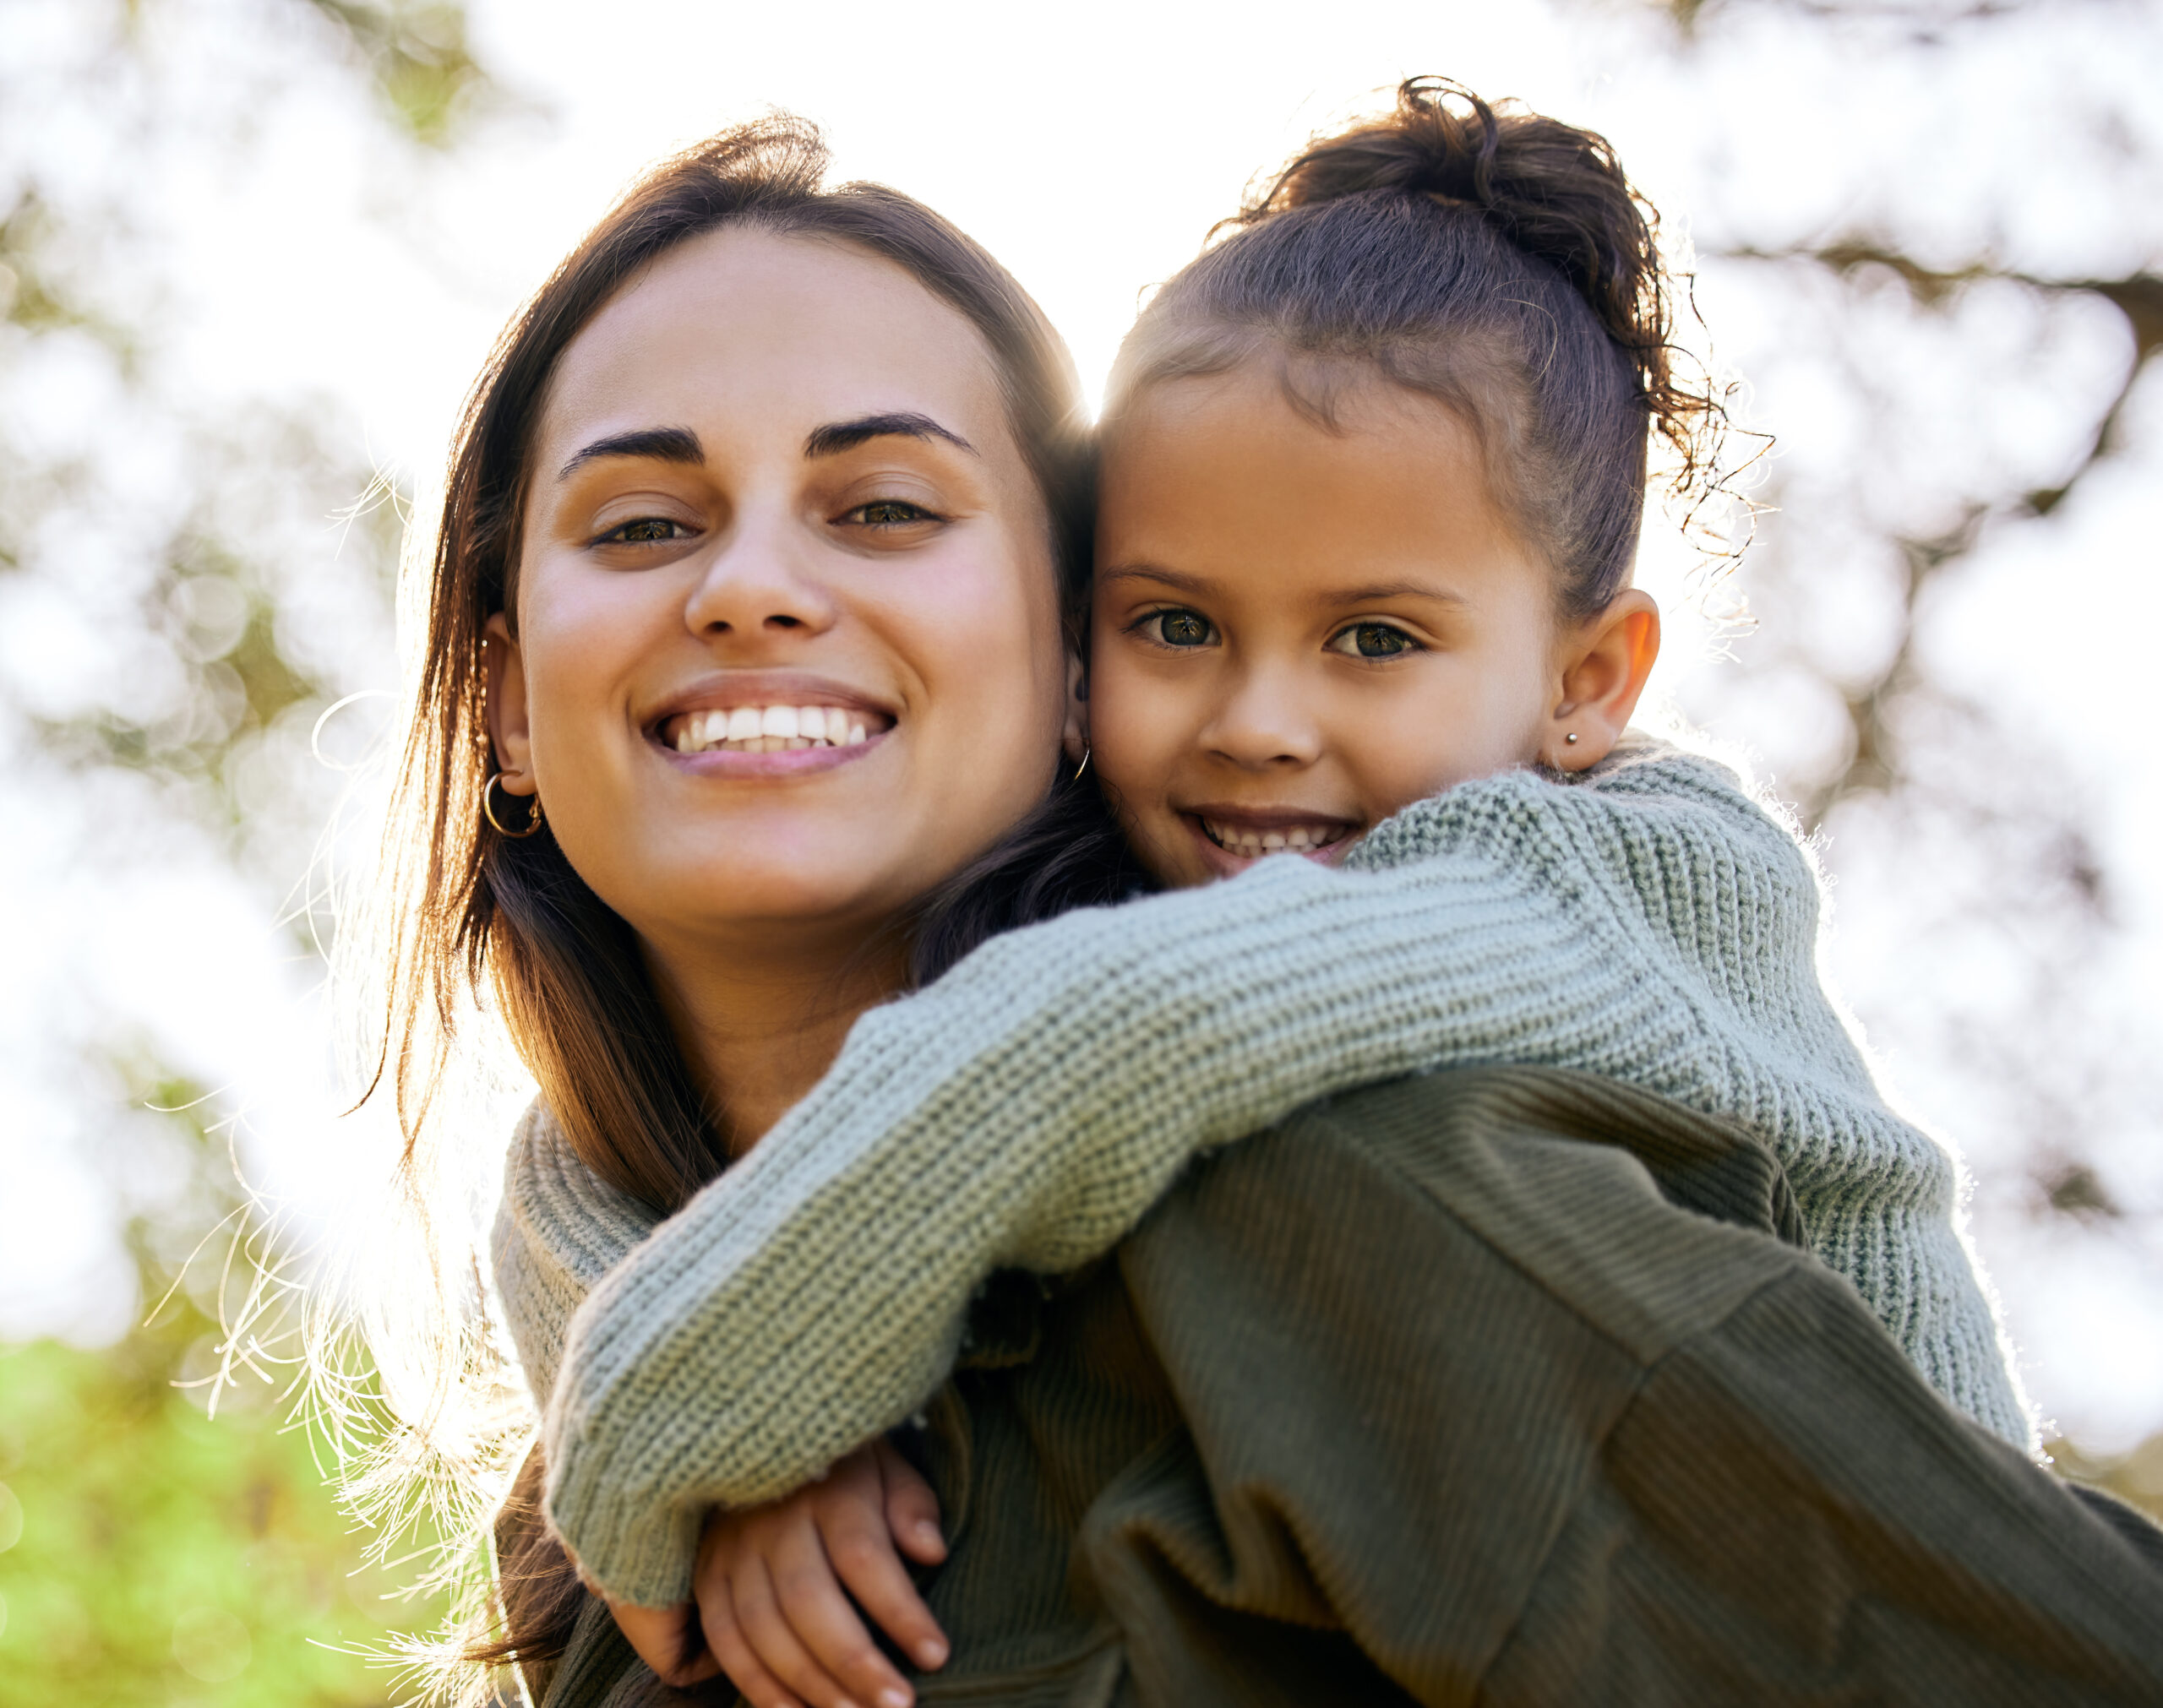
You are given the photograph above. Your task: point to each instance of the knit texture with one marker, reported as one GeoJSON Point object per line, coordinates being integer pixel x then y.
{"type": "Point", "coordinates": [1648, 922]}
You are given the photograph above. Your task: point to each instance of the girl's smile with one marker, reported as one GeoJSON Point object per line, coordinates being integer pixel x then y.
{"type": "Point", "coordinates": [1300, 628]}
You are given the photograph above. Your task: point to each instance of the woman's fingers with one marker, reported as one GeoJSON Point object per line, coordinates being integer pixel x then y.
{"type": "Point", "coordinates": [912, 1507]}
{"type": "Point", "coordinates": [759, 1593]}
{"type": "Point", "coordinates": [666, 1639]}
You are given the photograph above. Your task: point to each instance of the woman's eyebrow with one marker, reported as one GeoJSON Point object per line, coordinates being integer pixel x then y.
{"type": "Point", "coordinates": [661, 444]}
{"type": "Point", "coordinates": [839, 436]}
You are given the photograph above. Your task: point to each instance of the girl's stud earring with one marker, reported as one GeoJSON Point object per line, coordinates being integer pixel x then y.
{"type": "Point", "coordinates": [1571, 739]}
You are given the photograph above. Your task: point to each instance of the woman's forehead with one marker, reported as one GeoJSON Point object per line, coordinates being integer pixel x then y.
{"type": "Point", "coordinates": [771, 330]}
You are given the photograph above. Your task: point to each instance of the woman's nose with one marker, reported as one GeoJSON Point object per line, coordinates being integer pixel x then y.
{"type": "Point", "coordinates": [758, 584]}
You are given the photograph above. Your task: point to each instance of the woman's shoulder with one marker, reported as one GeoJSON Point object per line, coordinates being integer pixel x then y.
{"type": "Point", "coordinates": [553, 1201]}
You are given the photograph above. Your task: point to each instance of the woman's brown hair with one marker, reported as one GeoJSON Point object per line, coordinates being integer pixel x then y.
{"type": "Point", "coordinates": [1495, 259]}
{"type": "Point", "coordinates": [476, 915]}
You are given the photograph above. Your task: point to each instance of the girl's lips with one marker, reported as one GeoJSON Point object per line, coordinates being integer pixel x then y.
{"type": "Point", "coordinates": [1231, 841]}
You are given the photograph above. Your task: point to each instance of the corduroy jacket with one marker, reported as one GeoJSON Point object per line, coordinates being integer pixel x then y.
{"type": "Point", "coordinates": [1508, 1385]}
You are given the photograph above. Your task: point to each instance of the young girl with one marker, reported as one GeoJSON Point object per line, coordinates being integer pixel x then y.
{"type": "Point", "coordinates": [1373, 472]}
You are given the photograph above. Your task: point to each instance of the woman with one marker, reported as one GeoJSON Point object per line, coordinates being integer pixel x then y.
{"type": "Point", "coordinates": [679, 918]}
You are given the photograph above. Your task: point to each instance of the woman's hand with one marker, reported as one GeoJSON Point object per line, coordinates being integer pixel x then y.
{"type": "Point", "coordinates": [771, 1579]}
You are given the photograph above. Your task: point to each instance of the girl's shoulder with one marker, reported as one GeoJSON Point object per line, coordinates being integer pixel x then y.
{"type": "Point", "coordinates": [1651, 798]}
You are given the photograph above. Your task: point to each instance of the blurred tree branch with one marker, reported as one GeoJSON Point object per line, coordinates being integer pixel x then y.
{"type": "Point", "coordinates": [1874, 764]}
{"type": "Point", "coordinates": [419, 58]}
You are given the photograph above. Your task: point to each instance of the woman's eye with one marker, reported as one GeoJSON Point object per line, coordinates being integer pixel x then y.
{"type": "Point", "coordinates": [1180, 627]}
{"type": "Point", "coordinates": [890, 513]}
{"type": "Point", "coordinates": [1373, 640]}
{"type": "Point", "coordinates": [645, 530]}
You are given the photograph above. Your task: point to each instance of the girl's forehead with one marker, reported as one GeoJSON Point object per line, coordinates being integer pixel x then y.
{"type": "Point", "coordinates": [1363, 440]}
{"type": "Point", "coordinates": [1236, 479]}
{"type": "Point", "coordinates": [1328, 396]}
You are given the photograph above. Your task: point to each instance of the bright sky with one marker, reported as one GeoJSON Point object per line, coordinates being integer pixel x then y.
{"type": "Point", "coordinates": [1090, 149]}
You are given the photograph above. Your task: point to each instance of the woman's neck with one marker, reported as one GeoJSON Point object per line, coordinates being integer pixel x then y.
{"type": "Point", "coordinates": [759, 1027]}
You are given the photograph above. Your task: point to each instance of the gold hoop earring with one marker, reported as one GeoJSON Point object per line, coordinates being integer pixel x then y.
{"type": "Point", "coordinates": [489, 810]}
{"type": "Point", "coordinates": [1083, 766]}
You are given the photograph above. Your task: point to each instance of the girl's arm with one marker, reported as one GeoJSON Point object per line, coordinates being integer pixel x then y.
{"type": "Point", "coordinates": [1029, 1108]}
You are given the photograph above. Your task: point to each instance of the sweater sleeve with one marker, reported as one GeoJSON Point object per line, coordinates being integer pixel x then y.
{"type": "Point", "coordinates": [1029, 1108]}
{"type": "Point", "coordinates": [559, 1229]}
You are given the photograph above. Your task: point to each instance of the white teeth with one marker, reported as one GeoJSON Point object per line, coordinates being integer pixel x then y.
{"type": "Point", "coordinates": [1252, 844]}
{"type": "Point", "coordinates": [773, 729]}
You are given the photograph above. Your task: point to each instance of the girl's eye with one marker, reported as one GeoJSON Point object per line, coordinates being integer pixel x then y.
{"type": "Point", "coordinates": [645, 530]}
{"type": "Point", "coordinates": [890, 513]}
{"type": "Point", "coordinates": [1373, 640]}
{"type": "Point", "coordinates": [1180, 627]}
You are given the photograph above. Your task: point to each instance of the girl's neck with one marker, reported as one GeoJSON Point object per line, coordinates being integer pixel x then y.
{"type": "Point", "coordinates": [759, 1026]}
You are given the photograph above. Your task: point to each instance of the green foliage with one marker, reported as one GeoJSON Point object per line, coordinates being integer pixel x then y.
{"type": "Point", "coordinates": [170, 1557]}
{"type": "Point", "coordinates": [165, 1555]}
{"type": "Point", "coordinates": [2135, 1477]}
{"type": "Point", "coordinates": [418, 56]}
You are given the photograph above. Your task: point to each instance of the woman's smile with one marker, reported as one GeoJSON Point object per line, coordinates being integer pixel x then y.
{"type": "Point", "coordinates": [767, 724]}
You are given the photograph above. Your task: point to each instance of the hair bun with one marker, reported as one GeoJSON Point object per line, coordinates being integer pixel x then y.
{"type": "Point", "coordinates": [1553, 191]}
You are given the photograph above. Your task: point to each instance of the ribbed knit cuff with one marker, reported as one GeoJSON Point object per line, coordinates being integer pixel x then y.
{"type": "Point", "coordinates": [636, 1552]}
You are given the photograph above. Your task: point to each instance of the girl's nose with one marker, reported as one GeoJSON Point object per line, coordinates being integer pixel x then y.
{"type": "Point", "coordinates": [1263, 722]}
{"type": "Point", "coordinates": [758, 586]}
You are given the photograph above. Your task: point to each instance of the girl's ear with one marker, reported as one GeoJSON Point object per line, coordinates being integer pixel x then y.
{"type": "Point", "coordinates": [1075, 737]}
{"type": "Point", "coordinates": [1605, 663]}
{"type": "Point", "coordinates": [509, 728]}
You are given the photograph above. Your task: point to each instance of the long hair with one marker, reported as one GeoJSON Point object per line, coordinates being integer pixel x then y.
{"type": "Point", "coordinates": [474, 919]}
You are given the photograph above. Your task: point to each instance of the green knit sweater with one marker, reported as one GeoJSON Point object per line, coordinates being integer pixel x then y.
{"type": "Point", "coordinates": [1647, 922]}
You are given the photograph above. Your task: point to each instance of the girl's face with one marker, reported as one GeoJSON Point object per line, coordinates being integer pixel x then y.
{"type": "Point", "coordinates": [787, 649]}
{"type": "Point", "coordinates": [1297, 632]}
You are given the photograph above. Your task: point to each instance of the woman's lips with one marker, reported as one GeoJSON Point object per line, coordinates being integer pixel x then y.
{"type": "Point", "coordinates": [768, 724]}
{"type": "Point", "coordinates": [752, 728]}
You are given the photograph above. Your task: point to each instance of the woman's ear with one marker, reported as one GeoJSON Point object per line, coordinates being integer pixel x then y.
{"type": "Point", "coordinates": [1606, 660]}
{"type": "Point", "coordinates": [1075, 737]}
{"type": "Point", "coordinates": [508, 729]}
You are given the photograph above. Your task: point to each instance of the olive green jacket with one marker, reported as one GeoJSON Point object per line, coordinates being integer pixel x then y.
{"type": "Point", "coordinates": [1508, 1385]}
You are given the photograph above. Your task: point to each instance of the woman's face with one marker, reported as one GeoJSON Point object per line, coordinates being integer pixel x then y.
{"type": "Point", "coordinates": [787, 650]}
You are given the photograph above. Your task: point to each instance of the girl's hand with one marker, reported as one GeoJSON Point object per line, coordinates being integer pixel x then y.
{"type": "Point", "coordinates": [666, 1639]}
{"type": "Point", "coordinates": [770, 1583]}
